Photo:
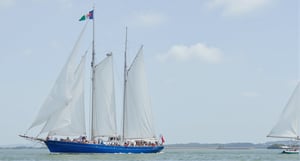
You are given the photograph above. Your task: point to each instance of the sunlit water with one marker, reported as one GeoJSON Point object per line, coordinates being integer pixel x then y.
{"type": "Point", "coordinates": [166, 155]}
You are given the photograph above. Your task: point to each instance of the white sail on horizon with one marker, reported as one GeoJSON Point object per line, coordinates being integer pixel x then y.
{"type": "Point", "coordinates": [138, 113]}
{"type": "Point", "coordinates": [288, 124]}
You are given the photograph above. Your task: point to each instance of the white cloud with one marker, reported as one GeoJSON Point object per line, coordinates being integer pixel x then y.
{"type": "Point", "coordinates": [149, 19]}
{"type": "Point", "coordinates": [7, 3]}
{"type": "Point", "coordinates": [198, 51]}
{"type": "Point", "coordinates": [237, 7]}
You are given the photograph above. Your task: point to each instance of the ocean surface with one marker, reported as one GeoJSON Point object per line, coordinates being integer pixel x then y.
{"type": "Point", "coordinates": [167, 155]}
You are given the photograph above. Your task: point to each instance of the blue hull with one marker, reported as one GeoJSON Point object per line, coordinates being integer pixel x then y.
{"type": "Point", "coordinates": [72, 147]}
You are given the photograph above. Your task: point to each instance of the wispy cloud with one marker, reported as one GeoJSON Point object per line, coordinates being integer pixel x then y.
{"type": "Point", "coordinates": [7, 3]}
{"type": "Point", "coordinates": [237, 7]}
{"type": "Point", "coordinates": [198, 51]}
{"type": "Point", "coordinates": [148, 19]}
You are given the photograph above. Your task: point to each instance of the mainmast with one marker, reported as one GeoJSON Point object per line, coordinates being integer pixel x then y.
{"type": "Point", "coordinates": [125, 82]}
{"type": "Point", "coordinates": [93, 76]}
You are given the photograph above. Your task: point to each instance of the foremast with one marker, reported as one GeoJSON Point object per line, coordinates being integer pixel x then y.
{"type": "Point", "coordinates": [93, 78]}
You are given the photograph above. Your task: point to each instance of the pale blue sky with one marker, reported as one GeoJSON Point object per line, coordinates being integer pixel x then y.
{"type": "Point", "coordinates": [218, 70]}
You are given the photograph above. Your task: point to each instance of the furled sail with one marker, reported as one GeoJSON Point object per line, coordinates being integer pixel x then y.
{"type": "Point", "coordinates": [61, 96]}
{"type": "Point", "coordinates": [288, 124]}
{"type": "Point", "coordinates": [138, 121]}
{"type": "Point", "coordinates": [104, 110]}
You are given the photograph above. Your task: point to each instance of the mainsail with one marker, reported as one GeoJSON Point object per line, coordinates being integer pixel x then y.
{"type": "Point", "coordinates": [138, 114]}
{"type": "Point", "coordinates": [104, 110]}
{"type": "Point", "coordinates": [288, 124]}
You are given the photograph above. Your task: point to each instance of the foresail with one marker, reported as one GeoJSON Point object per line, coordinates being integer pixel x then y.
{"type": "Point", "coordinates": [73, 113]}
{"type": "Point", "coordinates": [104, 110]}
{"type": "Point", "coordinates": [288, 124]}
{"type": "Point", "coordinates": [61, 93]}
{"type": "Point", "coordinates": [138, 113]}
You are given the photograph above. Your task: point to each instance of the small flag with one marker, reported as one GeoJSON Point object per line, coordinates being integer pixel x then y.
{"type": "Point", "coordinates": [162, 139]}
{"type": "Point", "coordinates": [90, 15]}
{"type": "Point", "coordinates": [82, 18]}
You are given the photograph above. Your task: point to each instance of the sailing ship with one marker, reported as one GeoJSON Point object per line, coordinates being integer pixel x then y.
{"type": "Point", "coordinates": [288, 124]}
{"type": "Point", "coordinates": [63, 113]}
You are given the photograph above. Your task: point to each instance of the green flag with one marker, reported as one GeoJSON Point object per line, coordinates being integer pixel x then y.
{"type": "Point", "coordinates": [89, 15]}
{"type": "Point", "coordinates": [82, 18]}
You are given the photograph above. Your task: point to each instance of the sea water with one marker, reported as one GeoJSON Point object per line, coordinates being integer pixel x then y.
{"type": "Point", "coordinates": [180, 154]}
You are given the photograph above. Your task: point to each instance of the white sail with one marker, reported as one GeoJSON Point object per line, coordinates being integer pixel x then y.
{"type": "Point", "coordinates": [138, 121]}
{"type": "Point", "coordinates": [73, 114]}
{"type": "Point", "coordinates": [288, 124]}
{"type": "Point", "coordinates": [104, 110]}
{"type": "Point", "coordinates": [61, 93]}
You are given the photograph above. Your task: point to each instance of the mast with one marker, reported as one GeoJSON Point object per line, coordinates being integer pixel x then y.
{"type": "Point", "coordinates": [125, 82]}
{"type": "Point", "coordinates": [93, 76]}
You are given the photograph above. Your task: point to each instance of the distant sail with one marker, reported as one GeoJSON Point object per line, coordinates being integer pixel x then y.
{"type": "Point", "coordinates": [138, 113]}
{"type": "Point", "coordinates": [288, 124]}
{"type": "Point", "coordinates": [104, 111]}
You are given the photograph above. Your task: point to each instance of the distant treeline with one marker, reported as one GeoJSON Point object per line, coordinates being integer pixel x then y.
{"type": "Point", "coordinates": [23, 147]}
{"type": "Point", "coordinates": [269, 145]}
